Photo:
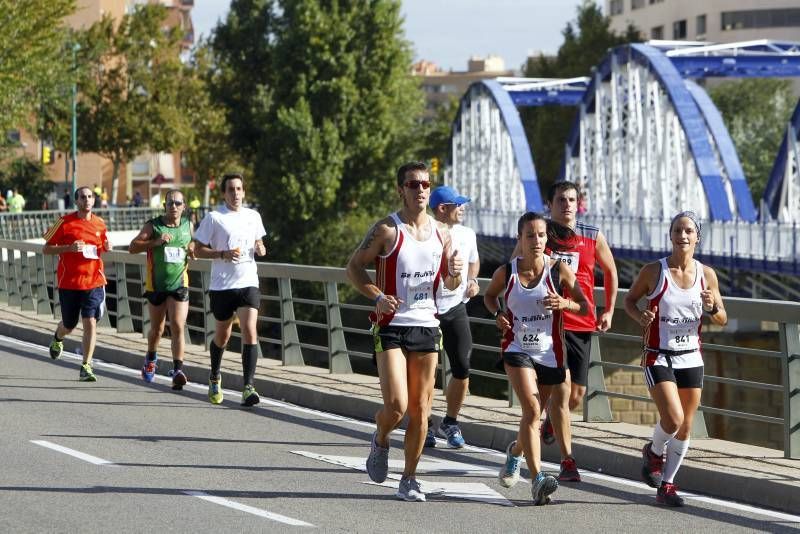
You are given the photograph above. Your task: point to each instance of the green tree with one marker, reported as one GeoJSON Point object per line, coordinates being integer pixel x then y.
{"type": "Point", "coordinates": [322, 107]}
{"type": "Point", "coordinates": [210, 153]}
{"type": "Point", "coordinates": [129, 101]}
{"type": "Point", "coordinates": [586, 42]}
{"type": "Point", "coordinates": [29, 178]}
{"type": "Point", "coordinates": [756, 112]}
{"type": "Point", "coordinates": [32, 58]}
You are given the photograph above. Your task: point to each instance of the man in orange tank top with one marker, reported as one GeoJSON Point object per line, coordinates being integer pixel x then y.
{"type": "Point", "coordinates": [79, 239]}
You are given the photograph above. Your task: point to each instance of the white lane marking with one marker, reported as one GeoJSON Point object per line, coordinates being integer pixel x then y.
{"type": "Point", "coordinates": [473, 491]}
{"type": "Point", "coordinates": [72, 452]}
{"type": "Point", "coordinates": [489, 452]}
{"type": "Point", "coordinates": [249, 509]}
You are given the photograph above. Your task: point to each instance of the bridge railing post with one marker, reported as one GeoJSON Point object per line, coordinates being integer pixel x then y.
{"type": "Point", "coordinates": [14, 298]}
{"type": "Point", "coordinates": [3, 275]}
{"type": "Point", "coordinates": [790, 347]}
{"type": "Point", "coordinates": [596, 407]}
{"type": "Point", "coordinates": [208, 317]}
{"type": "Point", "coordinates": [26, 287]}
{"type": "Point", "coordinates": [124, 319]}
{"type": "Point", "coordinates": [291, 352]}
{"type": "Point", "coordinates": [338, 357]}
{"type": "Point", "coordinates": [40, 293]}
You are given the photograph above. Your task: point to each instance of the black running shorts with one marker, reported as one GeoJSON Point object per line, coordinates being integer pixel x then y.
{"type": "Point", "coordinates": [690, 377]}
{"type": "Point", "coordinates": [409, 338]}
{"type": "Point", "coordinates": [546, 376]}
{"type": "Point", "coordinates": [225, 302]}
{"type": "Point", "coordinates": [579, 346]}
{"type": "Point", "coordinates": [157, 298]}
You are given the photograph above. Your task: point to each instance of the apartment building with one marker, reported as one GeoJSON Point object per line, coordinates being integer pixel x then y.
{"type": "Point", "coordinates": [148, 173]}
{"type": "Point", "coordinates": [442, 86]}
{"type": "Point", "coordinates": [719, 21]}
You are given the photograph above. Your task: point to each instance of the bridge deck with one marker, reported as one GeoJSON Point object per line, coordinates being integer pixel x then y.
{"type": "Point", "coordinates": [724, 469]}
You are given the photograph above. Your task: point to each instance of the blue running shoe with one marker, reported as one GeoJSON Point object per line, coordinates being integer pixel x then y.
{"type": "Point", "coordinates": [542, 487]}
{"type": "Point", "coordinates": [430, 438]}
{"type": "Point", "coordinates": [509, 473]}
{"type": "Point", "coordinates": [452, 433]}
{"type": "Point", "coordinates": [149, 369]}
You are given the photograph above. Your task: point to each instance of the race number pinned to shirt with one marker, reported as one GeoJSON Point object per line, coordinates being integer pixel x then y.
{"type": "Point", "coordinates": [680, 337]}
{"type": "Point", "coordinates": [90, 252]}
{"type": "Point", "coordinates": [570, 258]}
{"type": "Point", "coordinates": [534, 338]}
{"type": "Point", "coordinates": [244, 245]}
{"type": "Point", "coordinates": [174, 254]}
{"type": "Point", "coordinates": [420, 295]}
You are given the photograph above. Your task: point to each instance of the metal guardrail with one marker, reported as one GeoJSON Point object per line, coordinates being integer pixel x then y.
{"type": "Point", "coordinates": [27, 279]}
{"type": "Point", "coordinates": [33, 224]}
{"type": "Point", "coordinates": [770, 245]}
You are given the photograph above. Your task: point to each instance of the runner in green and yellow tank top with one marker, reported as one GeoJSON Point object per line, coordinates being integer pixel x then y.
{"type": "Point", "coordinates": [167, 264]}
{"type": "Point", "coordinates": [167, 239]}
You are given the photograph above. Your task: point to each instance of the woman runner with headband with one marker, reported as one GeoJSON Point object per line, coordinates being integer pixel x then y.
{"type": "Point", "coordinates": [678, 290]}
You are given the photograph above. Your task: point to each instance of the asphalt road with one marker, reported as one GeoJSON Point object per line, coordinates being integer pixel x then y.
{"type": "Point", "coordinates": [124, 456]}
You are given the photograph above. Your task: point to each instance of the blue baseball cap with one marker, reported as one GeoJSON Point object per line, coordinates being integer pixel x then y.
{"type": "Point", "coordinates": [446, 195]}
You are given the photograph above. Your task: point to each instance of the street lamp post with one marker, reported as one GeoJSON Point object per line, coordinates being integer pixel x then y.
{"type": "Point", "coordinates": [75, 48]}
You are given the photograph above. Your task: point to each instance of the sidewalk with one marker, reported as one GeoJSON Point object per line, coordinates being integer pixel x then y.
{"type": "Point", "coordinates": [744, 473]}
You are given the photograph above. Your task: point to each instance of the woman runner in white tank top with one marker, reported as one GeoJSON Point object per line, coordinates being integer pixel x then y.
{"type": "Point", "coordinates": [532, 344]}
{"type": "Point", "coordinates": [678, 289]}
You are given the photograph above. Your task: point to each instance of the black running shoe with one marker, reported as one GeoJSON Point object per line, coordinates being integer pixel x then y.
{"type": "Point", "coordinates": [652, 466]}
{"type": "Point", "coordinates": [668, 494]}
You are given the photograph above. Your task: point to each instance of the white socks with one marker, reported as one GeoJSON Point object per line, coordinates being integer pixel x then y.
{"type": "Point", "coordinates": [676, 451]}
{"type": "Point", "coordinates": [660, 439]}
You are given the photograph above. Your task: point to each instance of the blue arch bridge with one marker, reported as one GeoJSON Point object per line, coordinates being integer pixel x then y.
{"type": "Point", "coordinates": [646, 143]}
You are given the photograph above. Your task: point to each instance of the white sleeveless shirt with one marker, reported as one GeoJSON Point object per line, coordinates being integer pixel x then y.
{"type": "Point", "coordinates": [676, 326]}
{"type": "Point", "coordinates": [536, 331]}
{"type": "Point", "coordinates": [411, 272]}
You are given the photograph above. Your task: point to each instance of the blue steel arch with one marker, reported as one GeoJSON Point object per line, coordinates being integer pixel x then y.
{"type": "Point", "coordinates": [519, 141]}
{"type": "Point", "coordinates": [772, 193]}
{"type": "Point", "coordinates": [688, 114]}
{"type": "Point", "coordinates": [730, 158]}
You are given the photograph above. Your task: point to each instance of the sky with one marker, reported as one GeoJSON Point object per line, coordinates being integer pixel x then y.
{"type": "Point", "coordinates": [448, 32]}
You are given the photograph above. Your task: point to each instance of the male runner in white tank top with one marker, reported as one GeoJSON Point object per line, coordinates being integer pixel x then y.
{"type": "Point", "coordinates": [412, 254]}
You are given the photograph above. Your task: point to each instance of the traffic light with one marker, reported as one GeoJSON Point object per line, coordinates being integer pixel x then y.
{"type": "Point", "coordinates": [435, 166]}
{"type": "Point", "coordinates": [47, 155]}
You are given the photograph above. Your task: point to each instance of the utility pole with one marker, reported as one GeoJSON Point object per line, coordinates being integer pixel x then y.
{"type": "Point", "coordinates": [75, 48]}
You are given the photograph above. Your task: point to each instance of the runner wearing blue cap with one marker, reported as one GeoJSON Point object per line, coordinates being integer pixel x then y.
{"type": "Point", "coordinates": [448, 208]}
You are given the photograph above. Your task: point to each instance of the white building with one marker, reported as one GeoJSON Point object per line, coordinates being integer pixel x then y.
{"type": "Point", "coordinates": [719, 21]}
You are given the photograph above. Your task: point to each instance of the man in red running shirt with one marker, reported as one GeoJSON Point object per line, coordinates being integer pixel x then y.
{"type": "Point", "coordinates": [79, 239]}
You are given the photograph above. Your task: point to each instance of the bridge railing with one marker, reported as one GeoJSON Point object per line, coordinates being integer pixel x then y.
{"type": "Point", "coordinates": [310, 311]}
{"type": "Point", "coordinates": [33, 224]}
{"type": "Point", "coordinates": [771, 246]}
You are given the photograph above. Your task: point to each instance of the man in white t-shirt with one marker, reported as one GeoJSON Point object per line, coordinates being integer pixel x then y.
{"type": "Point", "coordinates": [232, 236]}
{"type": "Point", "coordinates": [448, 208]}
